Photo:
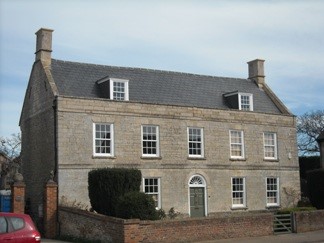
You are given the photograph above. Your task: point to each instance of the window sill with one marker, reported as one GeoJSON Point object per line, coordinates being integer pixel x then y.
{"type": "Point", "coordinates": [151, 157]}
{"type": "Point", "coordinates": [270, 160]}
{"type": "Point", "coordinates": [103, 157]}
{"type": "Point", "coordinates": [238, 159]}
{"type": "Point", "coordinates": [239, 208]}
{"type": "Point", "coordinates": [273, 207]}
{"type": "Point", "coordinates": [196, 158]}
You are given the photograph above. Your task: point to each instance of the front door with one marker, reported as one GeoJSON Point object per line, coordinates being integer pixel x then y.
{"type": "Point", "coordinates": [197, 202]}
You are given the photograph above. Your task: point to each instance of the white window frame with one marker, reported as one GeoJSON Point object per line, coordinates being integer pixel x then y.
{"type": "Point", "coordinates": [277, 192]}
{"type": "Point", "coordinates": [243, 191]}
{"type": "Point", "coordinates": [158, 193]}
{"type": "Point", "coordinates": [157, 141]}
{"type": "Point", "coordinates": [274, 146]}
{"type": "Point", "coordinates": [111, 88]}
{"type": "Point", "coordinates": [250, 96]}
{"type": "Point", "coordinates": [201, 155]}
{"type": "Point", "coordinates": [111, 139]}
{"type": "Point", "coordinates": [240, 144]}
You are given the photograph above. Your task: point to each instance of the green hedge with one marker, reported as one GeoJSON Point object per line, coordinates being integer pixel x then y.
{"type": "Point", "coordinates": [106, 185]}
{"type": "Point", "coordinates": [315, 184]}
{"type": "Point", "coordinates": [136, 205]}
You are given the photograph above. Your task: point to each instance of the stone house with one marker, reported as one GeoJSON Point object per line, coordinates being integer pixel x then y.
{"type": "Point", "coordinates": [204, 144]}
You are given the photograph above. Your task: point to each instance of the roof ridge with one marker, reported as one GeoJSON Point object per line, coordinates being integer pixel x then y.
{"type": "Point", "coordinates": [150, 70]}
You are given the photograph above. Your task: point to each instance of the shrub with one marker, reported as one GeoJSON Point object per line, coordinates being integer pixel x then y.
{"type": "Point", "coordinates": [315, 183]}
{"type": "Point", "coordinates": [173, 213]}
{"type": "Point", "coordinates": [161, 214]}
{"type": "Point", "coordinates": [106, 185]}
{"type": "Point", "coordinates": [136, 205]}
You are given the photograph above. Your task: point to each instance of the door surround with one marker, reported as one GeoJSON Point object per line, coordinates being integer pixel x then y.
{"type": "Point", "coordinates": [197, 180]}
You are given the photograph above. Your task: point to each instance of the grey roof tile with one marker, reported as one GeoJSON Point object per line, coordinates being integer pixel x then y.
{"type": "Point", "coordinates": [158, 87]}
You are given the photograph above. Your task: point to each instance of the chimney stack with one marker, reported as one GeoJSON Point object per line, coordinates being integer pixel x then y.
{"type": "Point", "coordinates": [256, 71]}
{"type": "Point", "coordinates": [44, 45]}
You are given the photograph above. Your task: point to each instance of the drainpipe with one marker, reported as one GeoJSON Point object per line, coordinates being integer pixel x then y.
{"type": "Point", "coordinates": [55, 101]}
{"type": "Point", "coordinates": [55, 138]}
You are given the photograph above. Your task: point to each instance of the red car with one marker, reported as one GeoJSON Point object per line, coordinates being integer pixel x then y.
{"type": "Point", "coordinates": [18, 228]}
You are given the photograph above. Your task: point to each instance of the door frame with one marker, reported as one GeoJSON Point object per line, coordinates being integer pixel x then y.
{"type": "Point", "coordinates": [197, 180]}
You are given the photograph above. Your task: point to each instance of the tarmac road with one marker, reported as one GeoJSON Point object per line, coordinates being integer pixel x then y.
{"type": "Point", "coordinates": [308, 237]}
{"type": "Point", "coordinates": [313, 236]}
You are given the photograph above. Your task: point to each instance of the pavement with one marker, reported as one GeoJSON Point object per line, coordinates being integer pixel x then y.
{"type": "Point", "coordinates": [313, 236]}
{"type": "Point", "coordinates": [53, 241]}
{"type": "Point", "coordinates": [308, 237]}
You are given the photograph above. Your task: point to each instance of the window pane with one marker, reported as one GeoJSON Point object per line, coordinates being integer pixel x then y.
{"type": "Point", "coordinates": [151, 187]}
{"type": "Point", "coordinates": [272, 191]}
{"type": "Point", "coordinates": [245, 102]}
{"type": "Point", "coordinates": [150, 140]}
{"type": "Point", "coordinates": [195, 141]}
{"type": "Point", "coordinates": [3, 225]}
{"type": "Point", "coordinates": [236, 139]}
{"type": "Point", "coordinates": [119, 91]}
{"type": "Point", "coordinates": [270, 145]}
{"type": "Point", "coordinates": [238, 192]}
{"type": "Point", "coordinates": [17, 223]}
{"type": "Point", "coordinates": [103, 138]}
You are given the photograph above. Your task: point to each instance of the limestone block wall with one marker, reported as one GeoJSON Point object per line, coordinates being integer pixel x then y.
{"type": "Point", "coordinates": [38, 138]}
{"type": "Point", "coordinates": [174, 167]}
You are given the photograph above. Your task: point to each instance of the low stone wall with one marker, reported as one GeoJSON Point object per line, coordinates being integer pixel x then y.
{"type": "Point", "coordinates": [86, 225]}
{"type": "Point", "coordinates": [309, 221]}
{"type": "Point", "coordinates": [82, 224]}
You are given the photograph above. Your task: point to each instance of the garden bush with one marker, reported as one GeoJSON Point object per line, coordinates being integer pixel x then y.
{"type": "Point", "coordinates": [106, 185]}
{"type": "Point", "coordinates": [136, 205]}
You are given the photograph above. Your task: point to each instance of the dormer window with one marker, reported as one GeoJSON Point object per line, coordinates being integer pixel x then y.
{"type": "Point", "coordinates": [113, 88]}
{"type": "Point", "coordinates": [240, 101]}
{"type": "Point", "coordinates": [245, 102]}
{"type": "Point", "coordinates": [118, 89]}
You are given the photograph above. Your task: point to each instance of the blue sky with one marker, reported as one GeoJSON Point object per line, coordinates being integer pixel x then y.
{"type": "Point", "coordinates": [204, 37]}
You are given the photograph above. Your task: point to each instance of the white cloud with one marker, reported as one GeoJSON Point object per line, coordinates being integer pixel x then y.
{"type": "Point", "coordinates": [206, 37]}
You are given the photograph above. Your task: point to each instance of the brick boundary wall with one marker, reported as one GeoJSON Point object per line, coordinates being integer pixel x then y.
{"type": "Point", "coordinates": [50, 209]}
{"type": "Point", "coordinates": [75, 222]}
{"type": "Point", "coordinates": [18, 197]}
{"type": "Point", "coordinates": [309, 221]}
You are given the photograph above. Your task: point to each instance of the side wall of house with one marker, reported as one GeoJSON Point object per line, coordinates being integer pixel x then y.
{"type": "Point", "coordinates": [37, 129]}
{"type": "Point", "coordinates": [174, 167]}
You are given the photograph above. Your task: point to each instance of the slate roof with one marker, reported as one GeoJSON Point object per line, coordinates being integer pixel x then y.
{"type": "Point", "coordinates": [157, 87]}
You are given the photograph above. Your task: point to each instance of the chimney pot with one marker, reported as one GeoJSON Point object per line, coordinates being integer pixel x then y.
{"type": "Point", "coordinates": [256, 71]}
{"type": "Point", "coordinates": [44, 45]}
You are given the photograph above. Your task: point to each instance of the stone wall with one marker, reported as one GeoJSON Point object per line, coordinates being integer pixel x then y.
{"type": "Point", "coordinates": [174, 167]}
{"type": "Point", "coordinates": [74, 222]}
{"type": "Point", "coordinates": [309, 221]}
{"type": "Point", "coordinates": [38, 140]}
{"type": "Point", "coordinates": [91, 226]}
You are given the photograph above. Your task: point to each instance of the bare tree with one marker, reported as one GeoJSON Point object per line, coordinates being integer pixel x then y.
{"type": "Point", "coordinates": [10, 148]}
{"type": "Point", "coordinates": [309, 126]}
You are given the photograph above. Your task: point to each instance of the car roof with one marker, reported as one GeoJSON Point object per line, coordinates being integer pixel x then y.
{"type": "Point", "coordinates": [7, 214]}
